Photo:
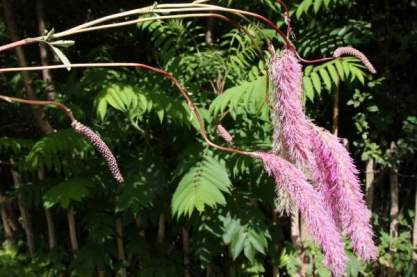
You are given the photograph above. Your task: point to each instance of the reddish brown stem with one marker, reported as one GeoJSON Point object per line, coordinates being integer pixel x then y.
{"type": "Point", "coordinates": [162, 72]}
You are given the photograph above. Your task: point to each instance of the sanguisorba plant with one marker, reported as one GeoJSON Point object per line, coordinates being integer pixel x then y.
{"type": "Point", "coordinates": [331, 203]}
{"type": "Point", "coordinates": [325, 161]}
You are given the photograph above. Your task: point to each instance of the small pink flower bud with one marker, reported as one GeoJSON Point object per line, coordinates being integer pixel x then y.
{"type": "Point", "coordinates": [356, 53]}
{"type": "Point", "coordinates": [101, 146]}
{"type": "Point", "coordinates": [223, 133]}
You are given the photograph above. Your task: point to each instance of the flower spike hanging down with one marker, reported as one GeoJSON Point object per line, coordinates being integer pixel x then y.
{"type": "Point", "coordinates": [348, 50]}
{"type": "Point", "coordinates": [310, 203]}
{"type": "Point", "coordinates": [101, 146]}
{"type": "Point", "coordinates": [291, 126]}
{"type": "Point", "coordinates": [343, 193]}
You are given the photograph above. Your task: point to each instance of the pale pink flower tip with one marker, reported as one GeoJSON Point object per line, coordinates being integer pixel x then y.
{"type": "Point", "coordinates": [223, 133]}
{"type": "Point", "coordinates": [310, 203]}
{"type": "Point", "coordinates": [348, 50]}
{"type": "Point", "coordinates": [101, 146]}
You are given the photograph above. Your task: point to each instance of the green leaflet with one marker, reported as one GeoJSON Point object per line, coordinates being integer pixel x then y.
{"type": "Point", "coordinates": [203, 185]}
{"type": "Point", "coordinates": [328, 75]}
{"type": "Point", "coordinates": [246, 97]}
{"type": "Point", "coordinates": [67, 191]}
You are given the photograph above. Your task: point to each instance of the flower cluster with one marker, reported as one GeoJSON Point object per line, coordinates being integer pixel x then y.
{"type": "Point", "coordinates": [333, 202]}
{"type": "Point", "coordinates": [356, 53]}
{"type": "Point", "coordinates": [101, 146]}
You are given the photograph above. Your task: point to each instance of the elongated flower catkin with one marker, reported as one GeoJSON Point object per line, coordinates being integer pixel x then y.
{"type": "Point", "coordinates": [310, 203]}
{"type": "Point", "coordinates": [224, 134]}
{"type": "Point", "coordinates": [286, 74]}
{"type": "Point", "coordinates": [348, 50]}
{"type": "Point", "coordinates": [343, 193]}
{"type": "Point", "coordinates": [101, 146]}
{"type": "Point", "coordinates": [291, 132]}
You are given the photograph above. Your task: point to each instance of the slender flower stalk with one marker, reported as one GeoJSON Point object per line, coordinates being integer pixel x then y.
{"type": "Point", "coordinates": [356, 53]}
{"type": "Point", "coordinates": [310, 203]}
{"type": "Point", "coordinates": [224, 134]}
{"type": "Point", "coordinates": [101, 146]}
{"type": "Point", "coordinates": [342, 192]}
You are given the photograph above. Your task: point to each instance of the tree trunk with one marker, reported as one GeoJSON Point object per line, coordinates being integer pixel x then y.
{"type": "Point", "coordinates": [46, 74]}
{"type": "Point", "coordinates": [26, 221]}
{"type": "Point", "coordinates": [370, 183]}
{"type": "Point", "coordinates": [415, 228]}
{"type": "Point", "coordinates": [161, 228]}
{"type": "Point", "coordinates": [8, 231]}
{"type": "Point", "coordinates": [120, 247]}
{"type": "Point", "coordinates": [72, 228]}
{"type": "Point", "coordinates": [49, 219]}
{"type": "Point", "coordinates": [186, 249]}
{"type": "Point", "coordinates": [394, 205]}
{"type": "Point", "coordinates": [296, 236]}
{"type": "Point", "coordinates": [21, 59]}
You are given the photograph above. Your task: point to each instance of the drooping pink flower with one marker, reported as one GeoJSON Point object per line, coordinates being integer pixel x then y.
{"type": "Point", "coordinates": [224, 134]}
{"type": "Point", "coordinates": [342, 192]}
{"type": "Point", "coordinates": [290, 124]}
{"type": "Point", "coordinates": [310, 203]}
{"type": "Point", "coordinates": [348, 50]}
{"type": "Point", "coordinates": [101, 146]}
{"type": "Point", "coordinates": [293, 131]}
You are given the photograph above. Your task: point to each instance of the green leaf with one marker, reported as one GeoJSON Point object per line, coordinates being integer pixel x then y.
{"type": "Point", "coordinates": [71, 190]}
{"type": "Point", "coordinates": [308, 88]}
{"type": "Point", "coordinates": [326, 78]}
{"type": "Point", "coordinates": [61, 56]}
{"type": "Point", "coordinates": [203, 185]}
{"type": "Point", "coordinates": [316, 81]}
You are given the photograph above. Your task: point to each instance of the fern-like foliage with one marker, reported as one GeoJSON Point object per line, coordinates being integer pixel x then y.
{"type": "Point", "coordinates": [316, 6]}
{"type": "Point", "coordinates": [247, 97]}
{"type": "Point", "coordinates": [203, 185]}
{"type": "Point", "coordinates": [60, 151]}
{"type": "Point", "coordinates": [64, 193]}
{"type": "Point", "coordinates": [244, 237]}
{"type": "Point", "coordinates": [327, 75]}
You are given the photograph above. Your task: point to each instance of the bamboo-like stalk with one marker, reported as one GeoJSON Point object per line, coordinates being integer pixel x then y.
{"type": "Point", "coordinates": [415, 226]}
{"type": "Point", "coordinates": [186, 249]}
{"type": "Point", "coordinates": [370, 182]}
{"type": "Point", "coordinates": [72, 228]}
{"type": "Point", "coordinates": [120, 246]}
{"type": "Point", "coordinates": [26, 220]}
{"type": "Point", "coordinates": [8, 231]}
{"type": "Point", "coordinates": [161, 228]}
{"type": "Point", "coordinates": [21, 59]}
{"type": "Point", "coordinates": [394, 204]}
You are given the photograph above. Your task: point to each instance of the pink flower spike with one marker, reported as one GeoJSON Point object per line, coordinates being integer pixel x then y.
{"type": "Point", "coordinates": [348, 50]}
{"type": "Point", "coordinates": [310, 203]}
{"type": "Point", "coordinates": [223, 133]}
{"type": "Point", "coordinates": [101, 146]}
{"type": "Point", "coordinates": [342, 192]}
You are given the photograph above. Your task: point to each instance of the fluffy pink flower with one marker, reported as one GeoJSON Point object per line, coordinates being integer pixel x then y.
{"type": "Point", "coordinates": [223, 133]}
{"type": "Point", "coordinates": [342, 192]}
{"type": "Point", "coordinates": [294, 132]}
{"type": "Point", "coordinates": [101, 147]}
{"type": "Point", "coordinates": [310, 203]}
{"type": "Point", "coordinates": [291, 126]}
{"type": "Point", "coordinates": [356, 53]}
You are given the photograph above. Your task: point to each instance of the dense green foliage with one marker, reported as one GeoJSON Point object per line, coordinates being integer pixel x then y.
{"type": "Point", "coordinates": [185, 206]}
